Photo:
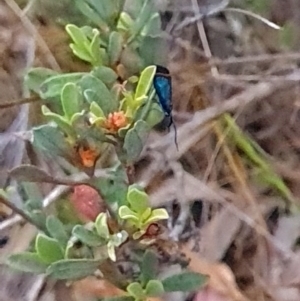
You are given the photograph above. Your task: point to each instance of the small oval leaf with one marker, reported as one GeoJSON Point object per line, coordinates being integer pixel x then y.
{"type": "Point", "coordinates": [70, 100]}
{"type": "Point", "coordinates": [72, 269]}
{"type": "Point", "coordinates": [135, 140]}
{"type": "Point", "coordinates": [95, 90]}
{"type": "Point", "coordinates": [36, 76]}
{"type": "Point", "coordinates": [51, 141]}
{"type": "Point", "coordinates": [87, 237]}
{"type": "Point", "coordinates": [157, 215]}
{"type": "Point", "coordinates": [57, 230]}
{"type": "Point", "coordinates": [135, 289]}
{"type": "Point", "coordinates": [61, 121]}
{"type": "Point", "coordinates": [145, 82]}
{"type": "Point", "coordinates": [126, 213]}
{"type": "Point", "coordinates": [48, 248]}
{"type": "Point", "coordinates": [154, 288]}
{"type": "Point", "coordinates": [76, 34]}
{"type": "Point", "coordinates": [101, 225]}
{"type": "Point", "coordinates": [52, 86]}
{"type": "Point", "coordinates": [149, 266]}
{"type": "Point", "coordinates": [105, 74]}
{"type": "Point", "coordinates": [138, 199]}
{"type": "Point", "coordinates": [185, 282]}
{"type": "Point", "coordinates": [115, 46]}
{"type": "Point", "coordinates": [27, 262]}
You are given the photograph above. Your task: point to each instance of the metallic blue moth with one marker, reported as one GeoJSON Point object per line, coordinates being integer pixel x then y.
{"type": "Point", "coordinates": [163, 87]}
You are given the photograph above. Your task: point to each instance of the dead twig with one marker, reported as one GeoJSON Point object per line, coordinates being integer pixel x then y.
{"type": "Point", "coordinates": [18, 102]}
{"type": "Point", "coordinates": [18, 211]}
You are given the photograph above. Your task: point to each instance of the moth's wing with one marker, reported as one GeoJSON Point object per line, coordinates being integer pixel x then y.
{"type": "Point", "coordinates": [163, 87]}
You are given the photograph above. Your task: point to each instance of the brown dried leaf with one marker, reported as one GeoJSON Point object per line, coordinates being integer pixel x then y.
{"type": "Point", "coordinates": [221, 278]}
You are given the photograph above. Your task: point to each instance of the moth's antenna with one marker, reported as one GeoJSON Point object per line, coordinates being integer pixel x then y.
{"type": "Point", "coordinates": [175, 133]}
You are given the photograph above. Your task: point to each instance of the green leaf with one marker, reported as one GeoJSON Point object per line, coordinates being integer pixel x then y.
{"type": "Point", "coordinates": [95, 90]}
{"type": "Point", "coordinates": [36, 76]}
{"type": "Point", "coordinates": [185, 282]}
{"type": "Point", "coordinates": [50, 140]}
{"type": "Point", "coordinates": [115, 46]}
{"type": "Point", "coordinates": [127, 213]}
{"type": "Point", "coordinates": [104, 56]}
{"type": "Point", "coordinates": [34, 195]}
{"type": "Point", "coordinates": [73, 269]}
{"type": "Point", "coordinates": [27, 262]}
{"type": "Point", "coordinates": [87, 237]}
{"type": "Point", "coordinates": [96, 110]}
{"type": "Point", "coordinates": [53, 86]}
{"type": "Point", "coordinates": [145, 82]}
{"type": "Point", "coordinates": [114, 190]}
{"type": "Point", "coordinates": [135, 289]}
{"type": "Point", "coordinates": [125, 22]}
{"type": "Point", "coordinates": [101, 225]}
{"type": "Point", "coordinates": [105, 74]}
{"type": "Point", "coordinates": [93, 133]}
{"type": "Point", "coordinates": [127, 104]}
{"type": "Point", "coordinates": [70, 100]}
{"type": "Point", "coordinates": [155, 115]}
{"type": "Point", "coordinates": [150, 55]}
{"type": "Point", "coordinates": [154, 288]}
{"type": "Point", "coordinates": [153, 26]}
{"type": "Point", "coordinates": [31, 205]}
{"type": "Point", "coordinates": [135, 140]}
{"type": "Point", "coordinates": [88, 31]}
{"type": "Point", "coordinates": [57, 230]}
{"type": "Point", "coordinates": [100, 8]}
{"type": "Point", "coordinates": [131, 60]}
{"type": "Point", "coordinates": [142, 19]}
{"type": "Point", "coordinates": [48, 248]}
{"type": "Point", "coordinates": [90, 13]}
{"type": "Point", "coordinates": [77, 251]}
{"type": "Point", "coordinates": [95, 49]}
{"type": "Point", "coordinates": [138, 199]}
{"type": "Point", "coordinates": [157, 215]}
{"type": "Point", "coordinates": [149, 267]}
{"type": "Point", "coordinates": [138, 234]}
{"type": "Point", "coordinates": [118, 238]}
{"type": "Point", "coordinates": [76, 34]}
{"type": "Point", "coordinates": [145, 215]}
{"type": "Point", "coordinates": [61, 121]}
{"type": "Point", "coordinates": [76, 117]}
{"type": "Point", "coordinates": [39, 218]}
{"type": "Point", "coordinates": [81, 53]}
{"type": "Point", "coordinates": [111, 251]}
{"type": "Point", "coordinates": [105, 8]}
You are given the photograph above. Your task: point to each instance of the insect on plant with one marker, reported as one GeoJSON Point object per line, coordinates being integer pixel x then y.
{"type": "Point", "coordinates": [163, 86]}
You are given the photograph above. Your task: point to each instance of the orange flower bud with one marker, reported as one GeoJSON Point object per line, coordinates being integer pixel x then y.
{"type": "Point", "coordinates": [88, 157]}
{"type": "Point", "coordinates": [115, 121]}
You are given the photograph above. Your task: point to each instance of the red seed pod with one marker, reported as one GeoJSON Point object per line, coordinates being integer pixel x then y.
{"type": "Point", "coordinates": [87, 202]}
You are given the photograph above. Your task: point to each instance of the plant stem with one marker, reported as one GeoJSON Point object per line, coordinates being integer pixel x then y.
{"type": "Point", "coordinates": [18, 211]}
{"type": "Point", "coordinates": [18, 102]}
